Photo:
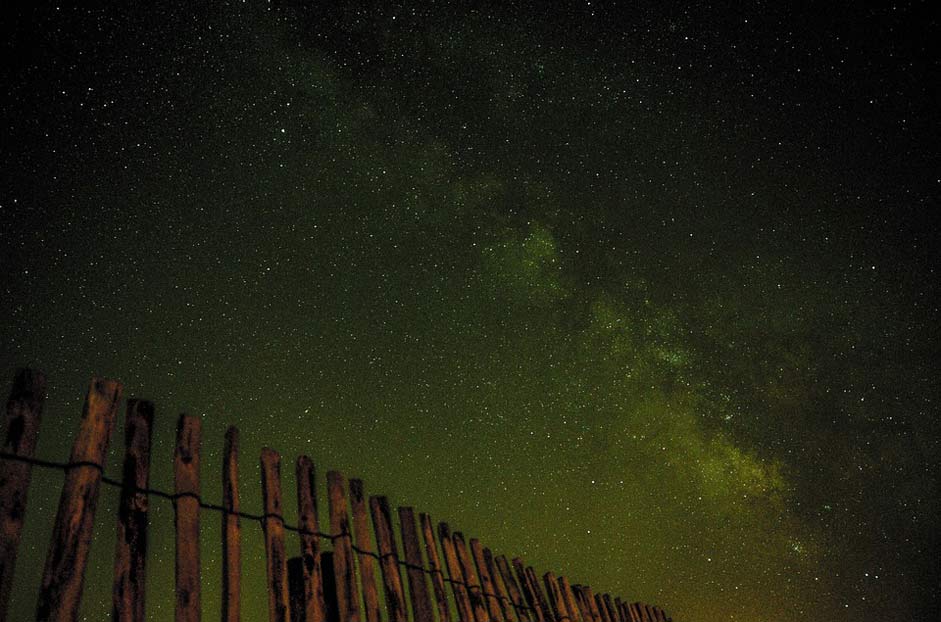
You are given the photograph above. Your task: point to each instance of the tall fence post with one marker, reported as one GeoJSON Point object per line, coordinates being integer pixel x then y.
{"type": "Point", "coordinates": [486, 582]}
{"type": "Point", "coordinates": [568, 596]}
{"type": "Point", "coordinates": [529, 592]}
{"type": "Point", "coordinates": [130, 557]}
{"type": "Point", "coordinates": [523, 611]}
{"type": "Point", "coordinates": [64, 572]}
{"type": "Point", "coordinates": [21, 422]}
{"type": "Point", "coordinates": [231, 529]}
{"type": "Point", "coordinates": [461, 597]}
{"type": "Point", "coordinates": [473, 584]}
{"type": "Point", "coordinates": [312, 599]}
{"type": "Point", "coordinates": [343, 564]}
{"type": "Point", "coordinates": [417, 584]}
{"type": "Point", "coordinates": [434, 564]}
{"type": "Point", "coordinates": [186, 461]}
{"type": "Point", "coordinates": [273, 524]}
{"type": "Point", "coordinates": [540, 597]}
{"type": "Point", "coordinates": [388, 559]}
{"type": "Point", "coordinates": [555, 597]}
{"type": "Point", "coordinates": [363, 542]}
{"type": "Point", "coordinates": [507, 606]}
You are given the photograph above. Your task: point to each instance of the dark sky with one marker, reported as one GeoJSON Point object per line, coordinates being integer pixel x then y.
{"type": "Point", "coordinates": [644, 295]}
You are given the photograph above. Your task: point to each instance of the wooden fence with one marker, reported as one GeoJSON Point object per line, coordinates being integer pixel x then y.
{"type": "Point", "coordinates": [338, 585]}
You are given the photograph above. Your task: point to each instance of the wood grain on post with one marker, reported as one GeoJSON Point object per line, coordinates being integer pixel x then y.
{"type": "Point", "coordinates": [21, 422]}
{"type": "Point", "coordinates": [626, 613]}
{"type": "Point", "coordinates": [516, 596]}
{"type": "Point", "coordinates": [584, 609]}
{"type": "Point", "coordinates": [488, 591]}
{"type": "Point", "coordinates": [313, 597]}
{"type": "Point", "coordinates": [507, 606]}
{"type": "Point", "coordinates": [363, 541]}
{"type": "Point", "coordinates": [555, 597]}
{"type": "Point", "coordinates": [528, 593]}
{"type": "Point", "coordinates": [434, 564]}
{"type": "Point", "coordinates": [388, 559]}
{"type": "Point", "coordinates": [537, 590]}
{"type": "Point", "coordinates": [273, 526]}
{"type": "Point", "coordinates": [64, 572]}
{"type": "Point", "coordinates": [417, 584]}
{"type": "Point", "coordinates": [592, 604]}
{"type": "Point", "coordinates": [186, 482]}
{"type": "Point", "coordinates": [571, 604]}
{"type": "Point", "coordinates": [344, 566]}
{"type": "Point", "coordinates": [461, 597]}
{"type": "Point", "coordinates": [130, 555]}
{"type": "Point", "coordinates": [231, 529]}
{"type": "Point", "coordinates": [478, 604]}
{"type": "Point", "coordinates": [634, 610]}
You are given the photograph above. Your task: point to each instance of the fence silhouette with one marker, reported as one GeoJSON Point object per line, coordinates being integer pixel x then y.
{"type": "Point", "coordinates": [320, 585]}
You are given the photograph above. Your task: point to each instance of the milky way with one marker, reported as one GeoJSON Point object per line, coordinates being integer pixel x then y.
{"type": "Point", "coordinates": [644, 296]}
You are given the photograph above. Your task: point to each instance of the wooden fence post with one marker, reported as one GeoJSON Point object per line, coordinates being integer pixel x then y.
{"type": "Point", "coordinates": [583, 608]}
{"type": "Point", "coordinates": [488, 591]}
{"type": "Point", "coordinates": [540, 597]}
{"type": "Point", "coordinates": [592, 605]}
{"type": "Point", "coordinates": [528, 591]}
{"type": "Point", "coordinates": [434, 564]}
{"type": "Point", "coordinates": [186, 482]}
{"type": "Point", "coordinates": [619, 610]}
{"type": "Point", "coordinates": [555, 597]}
{"type": "Point", "coordinates": [388, 559]}
{"type": "Point", "coordinates": [21, 422]}
{"type": "Point", "coordinates": [461, 598]}
{"type": "Point", "coordinates": [363, 542]}
{"type": "Point", "coordinates": [273, 525]}
{"type": "Point", "coordinates": [568, 597]}
{"type": "Point", "coordinates": [417, 584]}
{"type": "Point", "coordinates": [523, 610]}
{"type": "Point", "coordinates": [64, 572]}
{"type": "Point", "coordinates": [343, 564]}
{"type": "Point", "coordinates": [313, 599]}
{"type": "Point", "coordinates": [507, 606]}
{"type": "Point", "coordinates": [130, 558]}
{"type": "Point", "coordinates": [473, 585]}
{"type": "Point", "coordinates": [231, 529]}
{"type": "Point", "coordinates": [612, 613]}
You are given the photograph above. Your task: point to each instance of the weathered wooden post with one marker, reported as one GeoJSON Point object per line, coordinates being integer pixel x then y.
{"type": "Point", "coordinates": [612, 614]}
{"type": "Point", "coordinates": [592, 604]}
{"type": "Point", "coordinates": [473, 585]}
{"type": "Point", "coordinates": [555, 597]}
{"type": "Point", "coordinates": [568, 597]}
{"type": "Point", "coordinates": [486, 582]}
{"type": "Point", "coordinates": [130, 557]}
{"type": "Point", "coordinates": [525, 613]}
{"type": "Point", "coordinates": [363, 541]}
{"type": "Point", "coordinates": [507, 607]}
{"type": "Point", "coordinates": [529, 593]}
{"type": "Point", "coordinates": [231, 529]}
{"type": "Point", "coordinates": [21, 422]}
{"type": "Point", "coordinates": [388, 559]}
{"type": "Point", "coordinates": [583, 608]}
{"type": "Point", "coordinates": [273, 525]}
{"type": "Point", "coordinates": [186, 483]}
{"type": "Point", "coordinates": [64, 572]}
{"type": "Point", "coordinates": [461, 598]}
{"type": "Point", "coordinates": [434, 564]}
{"type": "Point", "coordinates": [314, 603]}
{"type": "Point", "coordinates": [417, 584]}
{"type": "Point", "coordinates": [343, 565]}
{"type": "Point", "coordinates": [540, 597]}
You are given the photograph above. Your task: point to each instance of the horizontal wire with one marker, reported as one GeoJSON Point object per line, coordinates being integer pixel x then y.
{"type": "Point", "coordinates": [68, 466]}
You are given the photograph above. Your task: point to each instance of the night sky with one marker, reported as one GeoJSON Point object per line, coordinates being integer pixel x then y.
{"type": "Point", "coordinates": [643, 295]}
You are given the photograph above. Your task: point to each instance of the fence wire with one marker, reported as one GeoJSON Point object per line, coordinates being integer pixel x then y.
{"type": "Point", "coordinates": [260, 518]}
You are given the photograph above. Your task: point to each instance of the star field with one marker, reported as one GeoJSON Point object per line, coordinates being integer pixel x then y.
{"type": "Point", "coordinates": [643, 295]}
